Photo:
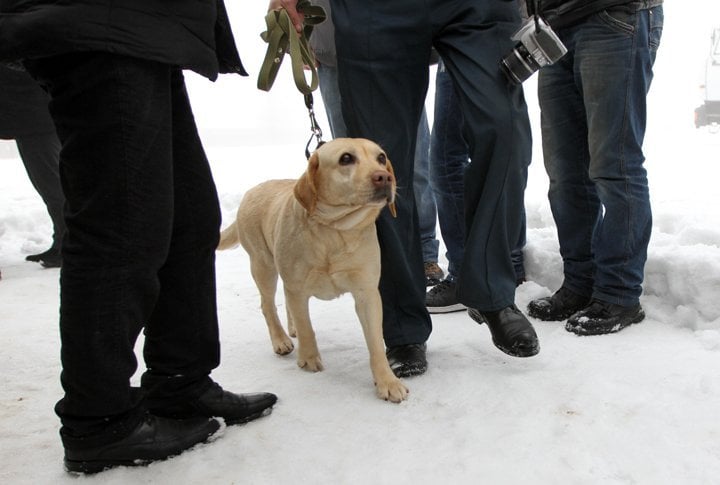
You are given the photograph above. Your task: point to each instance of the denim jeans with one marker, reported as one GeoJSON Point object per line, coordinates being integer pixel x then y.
{"type": "Point", "coordinates": [143, 220]}
{"type": "Point", "coordinates": [423, 191]}
{"type": "Point", "coordinates": [593, 104]}
{"type": "Point", "coordinates": [383, 78]}
{"type": "Point", "coordinates": [449, 157]}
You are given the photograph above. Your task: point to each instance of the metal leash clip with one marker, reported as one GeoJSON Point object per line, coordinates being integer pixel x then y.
{"type": "Point", "coordinates": [314, 127]}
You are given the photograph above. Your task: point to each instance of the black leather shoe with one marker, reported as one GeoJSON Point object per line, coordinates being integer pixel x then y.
{"type": "Point", "coordinates": [155, 438]}
{"type": "Point", "coordinates": [561, 305]}
{"type": "Point", "coordinates": [48, 259]}
{"type": "Point", "coordinates": [407, 360]}
{"type": "Point", "coordinates": [216, 402]}
{"type": "Point", "coordinates": [602, 317]}
{"type": "Point", "coordinates": [511, 331]}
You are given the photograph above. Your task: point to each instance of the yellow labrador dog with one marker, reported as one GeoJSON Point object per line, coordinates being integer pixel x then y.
{"type": "Point", "coordinates": [318, 234]}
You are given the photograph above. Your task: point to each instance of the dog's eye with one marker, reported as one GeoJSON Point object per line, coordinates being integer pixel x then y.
{"type": "Point", "coordinates": [346, 159]}
{"type": "Point", "coordinates": [382, 159]}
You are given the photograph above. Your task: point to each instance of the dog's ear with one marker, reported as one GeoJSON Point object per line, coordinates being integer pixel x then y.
{"type": "Point", "coordinates": [305, 188]}
{"type": "Point", "coordinates": [391, 205]}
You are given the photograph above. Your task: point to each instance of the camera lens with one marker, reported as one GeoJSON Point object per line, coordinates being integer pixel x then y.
{"type": "Point", "coordinates": [519, 64]}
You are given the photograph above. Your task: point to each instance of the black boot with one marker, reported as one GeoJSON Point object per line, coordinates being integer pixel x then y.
{"type": "Point", "coordinates": [602, 317]}
{"type": "Point", "coordinates": [561, 305]}
{"type": "Point", "coordinates": [153, 439]}
{"type": "Point", "coordinates": [511, 331]}
{"type": "Point", "coordinates": [48, 259]}
{"type": "Point", "coordinates": [407, 360]}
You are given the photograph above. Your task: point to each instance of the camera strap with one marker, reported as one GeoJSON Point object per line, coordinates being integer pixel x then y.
{"type": "Point", "coordinates": [533, 9]}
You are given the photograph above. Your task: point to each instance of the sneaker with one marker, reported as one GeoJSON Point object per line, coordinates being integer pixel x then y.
{"type": "Point", "coordinates": [153, 439]}
{"type": "Point", "coordinates": [559, 306]}
{"type": "Point", "coordinates": [433, 273]}
{"type": "Point", "coordinates": [407, 360]}
{"type": "Point", "coordinates": [442, 298]}
{"type": "Point", "coordinates": [602, 317]}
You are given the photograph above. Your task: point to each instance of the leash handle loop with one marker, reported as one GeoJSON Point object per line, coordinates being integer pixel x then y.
{"type": "Point", "coordinates": [282, 38]}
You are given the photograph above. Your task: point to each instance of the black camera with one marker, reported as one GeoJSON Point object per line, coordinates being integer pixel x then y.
{"type": "Point", "coordinates": [537, 46]}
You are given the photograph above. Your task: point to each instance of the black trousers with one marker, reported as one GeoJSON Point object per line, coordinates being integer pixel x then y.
{"type": "Point", "coordinates": [143, 221]}
{"type": "Point", "coordinates": [383, 56]}
{"type": "Point", "coordinates": [40, 156]}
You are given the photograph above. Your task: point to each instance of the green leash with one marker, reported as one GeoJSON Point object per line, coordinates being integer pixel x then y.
{"type": "Point", "coordinates": [282, 38]}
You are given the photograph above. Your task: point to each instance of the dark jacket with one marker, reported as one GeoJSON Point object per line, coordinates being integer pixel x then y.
{"type": "Point", "coordinates": [23, 106]}
{"type": "Point", "coordinates": [562, 13]}
{"type": "Point", "coordinates": [191, 34]}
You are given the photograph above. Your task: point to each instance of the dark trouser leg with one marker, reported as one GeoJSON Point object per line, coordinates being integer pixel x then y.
{"type": "Point", "coordinates": [40, 155]}
{"type": "Point", "coordinates": [383, 76]}
{"type": "Point", "coordinates": [181, 339]}
{"type": "Point", "coordinates": [497, 128]}
{"type": "Point", "coordinates": [114, 117]}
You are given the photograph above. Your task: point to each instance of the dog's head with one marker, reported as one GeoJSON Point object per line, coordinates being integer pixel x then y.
{"type": "Point", "coordinates": [345, 173]}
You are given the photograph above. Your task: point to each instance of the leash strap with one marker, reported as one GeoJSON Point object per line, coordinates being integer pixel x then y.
{"type": "Point", "coordinates": [282, 38]}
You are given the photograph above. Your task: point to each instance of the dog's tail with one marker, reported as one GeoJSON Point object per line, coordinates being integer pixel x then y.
{"type": "Point", "coordinates": [229, 238]}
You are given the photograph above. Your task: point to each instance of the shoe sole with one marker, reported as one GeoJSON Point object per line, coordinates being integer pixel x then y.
{"type": "Point", "coordinates": [90, 467]}
{"type": "Point", "coordinates": [524, 352]}
{"type": "Point", "coordinates": [584, 332]}
{"type": "Point", "coordinates": [248, 418]}
{"type": "Point", "coordinates": [553, 318]}
{"type": "Point", "coordinates": [457, 307]}
{"type": "Point", "coordinates": [410, 371]}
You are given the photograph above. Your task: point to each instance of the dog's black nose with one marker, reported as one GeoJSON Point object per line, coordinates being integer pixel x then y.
{"type": "Point", "coordinates": [381, 178]}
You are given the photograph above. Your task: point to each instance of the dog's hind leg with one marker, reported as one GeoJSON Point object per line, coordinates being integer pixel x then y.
{"type": "Point", "coordinates": [308, 354]}
{"type": "Point", "coordinates": [266, 277]}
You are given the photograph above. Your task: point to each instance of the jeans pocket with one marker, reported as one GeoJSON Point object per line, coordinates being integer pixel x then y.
{"type": "Point", "coordinates": [656, 20]}
{"type": "Point", "coordinates": [622, 19]}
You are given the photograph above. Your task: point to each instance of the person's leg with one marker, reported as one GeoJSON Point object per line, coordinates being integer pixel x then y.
{"type": "Point", "coordinates": [573, 196]}
{"type": "Point", "coordinates": [181, 336]}
{"type": "Point", "coordinates": [383, 81]}
{"type": "Point", "coordinates": [497, 127]}
{"type": "Point", "coordinates": [448, 160]}
{"type": "Point", "coordinates": [330, 92]}
{"type": "Point", "coordinates": [425, 201]}
{"type": "Point", "coordinates": [518, 252]}
{"type": "Point", "coordinates": [113, 116]}
{"type": "Point", "coordinates": [41, 156]}
{"type": "Point", "coordinates": [615, 60]}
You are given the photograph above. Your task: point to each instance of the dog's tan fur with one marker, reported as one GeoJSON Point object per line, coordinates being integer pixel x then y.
{"type": "Point", "coordinates": [318, 234]}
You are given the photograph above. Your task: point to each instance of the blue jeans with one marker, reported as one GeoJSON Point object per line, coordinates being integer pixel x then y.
{"type": "Point", "coordinates": [424, 195]}
{"type": "Point", "coordinates": [593, 104]}
{"type": "Point", "coordinates": [143, 223]}
{"type": "Point", "coordinates": [449, 157]}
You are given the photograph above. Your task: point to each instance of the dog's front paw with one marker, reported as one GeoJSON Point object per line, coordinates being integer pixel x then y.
{"type": "Point", "coordinates": [392, 390]}
{"type": "Point", "coordinates": [311, 363]}
{"type": "Point", "coordinates": [283, 346]}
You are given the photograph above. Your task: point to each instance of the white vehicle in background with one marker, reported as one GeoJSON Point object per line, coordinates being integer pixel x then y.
{"type": "Point", "coordinates": [708, 114]}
